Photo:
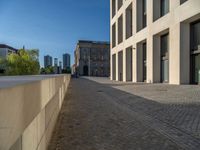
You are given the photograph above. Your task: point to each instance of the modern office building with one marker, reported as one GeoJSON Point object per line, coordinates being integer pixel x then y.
{"type": "Point", "coordinates": [155, 41]}
{"type": "Point", "coordinates": [60, 64]}
{"type": "Point", "coordinates": [56, 66]}
{"type": "Point", "coordinates": [55, 61]}
{"type": "Point", "coordinates": [60, 67]}
{"type": "Point", "coordinates": [92, 58]}
{"type": "Point", "coordinates": [5, 50]}
{"type": "Point", "coordinates": [66, 61]}
{"type": "Point", "coordinates": [48, 62]}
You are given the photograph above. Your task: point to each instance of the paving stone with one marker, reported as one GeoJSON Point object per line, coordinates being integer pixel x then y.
{"type": "Point", "coordinates": [99, 114]}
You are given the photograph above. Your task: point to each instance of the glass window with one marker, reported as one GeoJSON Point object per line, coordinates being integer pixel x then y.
{"type": "Point", "coordinates": [164, 7]}
{"type": "Point", "coordinates": [182, 1]}
{"type": "Point", "coordinates": [120, 29]}
{"type": "Point", "coordinates": [114, 67]}
{"type": "Point", "coordinates": [120, 3]}
{"type": "Point", "coordinates": [114, 35]}
{"type": "Point", "coordinates": [144, 62]}
{"type": "Point", "coordinates": [164, 45]}
{"type": "Point", "coordinates": [129, 21]}
{"type": "Point", "coordinates": [195, 36]}
{"type": "Point", "coordinates": [197, 68]}
{"type": "Point", "coordinates": [165, 70]}
{"type": "Point", "coordinates": [113, 7]}
{"type": "Point", "coordinates": [144, 7]}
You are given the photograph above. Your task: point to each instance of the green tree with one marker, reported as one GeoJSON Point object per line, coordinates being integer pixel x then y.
{"type": "Point", "coordinates": [25, 62]}
{"type": "Point", "coordinates": [67, 70]}
{"type": "Point", "coordinates": [47, 70]}
{"type": "Point", "coordinates": [2, 65]}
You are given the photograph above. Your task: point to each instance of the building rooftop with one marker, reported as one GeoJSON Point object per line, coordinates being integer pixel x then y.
{"type": "Point", "coordinates": [7, 46]}
{"type": "Point", "coordinates": [94, 42]}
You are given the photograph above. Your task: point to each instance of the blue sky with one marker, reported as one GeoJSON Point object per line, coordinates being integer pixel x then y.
{"type": "Point", "coordinates": [53, 26]}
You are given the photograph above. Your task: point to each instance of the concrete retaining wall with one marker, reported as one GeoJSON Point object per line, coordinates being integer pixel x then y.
{"type": "Point", "coordinates": [28, 113]}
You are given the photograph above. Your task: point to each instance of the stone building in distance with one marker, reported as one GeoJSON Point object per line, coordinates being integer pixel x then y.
{"type": "Point", "coordinates": [92, 58]}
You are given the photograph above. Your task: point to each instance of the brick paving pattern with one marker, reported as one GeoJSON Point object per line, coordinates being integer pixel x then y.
{"type": "Point", "coordinates": [99, 114]}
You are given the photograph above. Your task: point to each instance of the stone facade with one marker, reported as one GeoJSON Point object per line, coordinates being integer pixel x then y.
{"type": "Point", "coordinates": [92, 58]}
{"type": "Point", "coordinates": [29, 106]}
{"type": "Point", "coordinates": [155, 41]}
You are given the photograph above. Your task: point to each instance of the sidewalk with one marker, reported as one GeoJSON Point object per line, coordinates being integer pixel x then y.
{"type": "Point", "coordinates": [106, 115]}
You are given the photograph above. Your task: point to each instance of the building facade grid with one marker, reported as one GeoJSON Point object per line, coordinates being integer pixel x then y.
{"type": "Point", "coordinates": [160, 25]}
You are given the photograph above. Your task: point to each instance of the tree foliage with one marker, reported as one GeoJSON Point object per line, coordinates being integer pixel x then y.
{"type": "Point", "coordinates": [25, 62]}
{"type": "Point", "coordinates": [47, 70]}
{"type": "Point", "coordinates": [67, 70]}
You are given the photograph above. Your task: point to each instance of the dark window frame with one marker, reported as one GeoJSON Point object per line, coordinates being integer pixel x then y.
{"type": "Point", "coordinates": [120, 36]}
{"type": "Point", "coordinates": [192, 46]}
{"type": "Point", "coordinates": [113, 35]}
{"type": "Point", "coordinates": [129, 8]}
{"type": "Point", "coordinates": [119, 5]}
{"type": "Point", "coordinates": [166, 51]}
{"type": "Point", "coordinates": [144, 13]}
{"type": "Point", "coordinates": [144, 49]}
{"type": "Point", "coordinates": [163, 12]}
{"type": "Point", "coordinates": [193, 53]}
{"type": "Point", "coordinates": [165, 57]}
{"type": "Point", "coordinates": [113, 8]}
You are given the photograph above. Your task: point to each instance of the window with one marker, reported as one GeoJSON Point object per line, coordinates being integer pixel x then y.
{"type": "Point", "coordinates": [164, 58]}
{"type": "Point", "coordinates": [195, 36]}
{"type": "Point", "coordinates": [120, 29]}
{"type": "Point", "coordinates": [113, 35]}
{"type": "Point", "coordinates": [144, 13]}
{"type": "Point", "coordinates": [113, 8]}
{"type": "Point", "coordinates": [144, 47]}
{"type": "Point", "coordinates": [114, 67]}
{"type": "Point", "coordinates": [141, 14]}
{"type": "Point", "coordinates": [164, 7]}
{"type": "Point", "coordinates": [120, 66]}
{"type": "Point", "coordinates": [129, 64]}
{"type": "Point", "coordinates": [164, 45]}
{"type": "Point", "coordinates": [120, 3]}
{"type": "Point", "coordinates": [195, 52]}
{"type": "Point", "coordinates": [160, 8]}
{"type": "Point", "coordinates": [129, 21]}
{"type": "Point", "coordinates": [183, 1]}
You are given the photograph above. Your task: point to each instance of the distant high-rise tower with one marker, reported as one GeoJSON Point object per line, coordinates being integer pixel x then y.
{"type": "Point", "coordinates": [48, 61]}
{"type": "Point", "coordinates": [55, 61]}
{"type": "Point", "coordinates": [60, 64]}
{"type": "Point", "coordinates": [66, 61]}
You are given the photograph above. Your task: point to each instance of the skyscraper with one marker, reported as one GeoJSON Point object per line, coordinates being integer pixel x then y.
{"type": "Point", "coordinates": [55, 61]}
{"type": "Point", "coordinates": [66, 61]}
{"type": "Point", "coordinates": [48, 61]}
{"type": "Point", "coordinates": [56, 67]}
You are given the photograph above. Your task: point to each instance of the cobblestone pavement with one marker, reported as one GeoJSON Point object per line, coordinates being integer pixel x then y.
{"type": "Point", "coordinates": [99, 114]}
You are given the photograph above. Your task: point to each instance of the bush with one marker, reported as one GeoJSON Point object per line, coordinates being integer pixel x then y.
{"type": "Point", "coordinates": [24, 62]}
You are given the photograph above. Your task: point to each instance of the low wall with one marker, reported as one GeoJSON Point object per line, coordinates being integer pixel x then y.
{"type": "Point", "coordinates": [28, 113]}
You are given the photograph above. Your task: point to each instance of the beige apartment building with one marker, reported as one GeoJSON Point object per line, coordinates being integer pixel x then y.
{"type": "Point", "coordinates": [155, 41]}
